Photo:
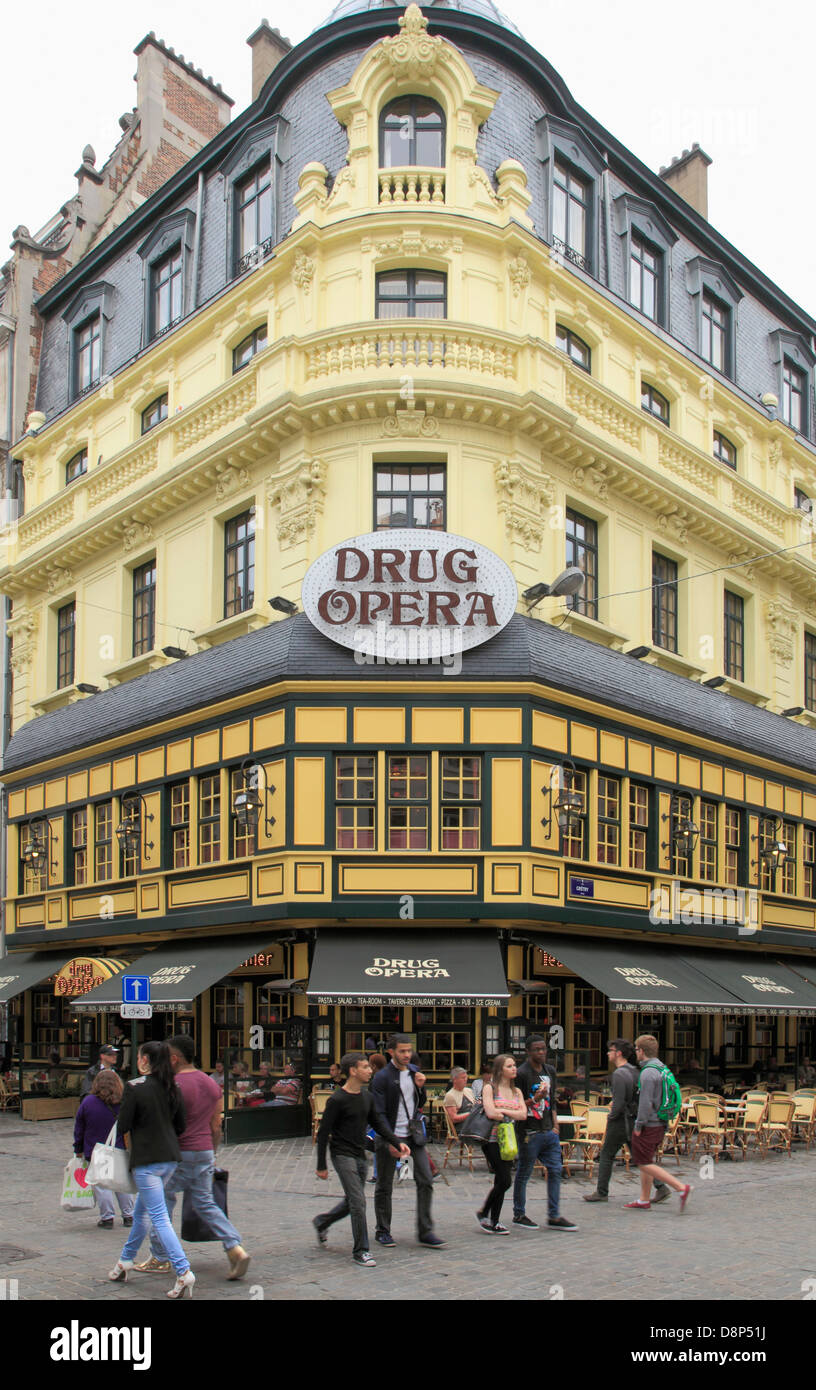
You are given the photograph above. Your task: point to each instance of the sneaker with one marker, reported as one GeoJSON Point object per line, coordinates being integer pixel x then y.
{"type": "Point", "coordinates": [499, 1230]}
{"type": "Point", "coordinates": [684, 1196]}
{"type": "Point", "coordinates": [106, 1223]}
{"type": "Point", "coordinates": [560, 1223]}
{"type": "Point", "coordinates": [363, 1258]}
{"type": "Point", "coordinates": [435, 1242]}
{"type": "Point", "coordinates": [486, 1224]}
{"type": "Point", "coordinates": [661, 1194]}
{"type": "Point", "coordinates": [319, 1232]}
{"type": "Point", "coordinates": [636, 1206]}
{"type": "Point", "coordinates": [385, 1239]}
{"type": "Point", "coordinates": [154, 1266]}
{"type": "Point", "coordinates": [596, 1197]}
{"type": "Point", "coordinates": [127, 1220]}
{"type": "Point", "coordinates": [525, 1222]}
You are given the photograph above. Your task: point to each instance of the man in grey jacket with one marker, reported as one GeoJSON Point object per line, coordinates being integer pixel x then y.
{"type": "Point", "coordinates": [649, 1129]}
{"type": "Point", "coordinates": [620, 1054]}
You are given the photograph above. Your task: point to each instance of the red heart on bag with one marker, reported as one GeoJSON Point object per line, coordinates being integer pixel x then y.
{"type": "Point", "coordinates": [79, 1177]}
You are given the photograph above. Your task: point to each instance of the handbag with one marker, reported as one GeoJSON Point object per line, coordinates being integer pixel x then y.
{"type": "Point", "coordinates": [193, 1226]}
{"type": "Point", "coordinates": [477, 1126]}
{"type": "Point", "coordinates": [110, 1167]}
{"type": "Point", "coordinates": [76, 1194]}
{"type": "Point", "coordinates": [416, 1126]}
{"type": "Point", "coordinates": [507, 1139]}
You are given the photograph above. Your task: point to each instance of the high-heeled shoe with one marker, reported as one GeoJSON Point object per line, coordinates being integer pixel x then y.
{"type": "Point", "coordinates": [119, 1273]}
{"type": "Point", "coordinates": [183, 1286]}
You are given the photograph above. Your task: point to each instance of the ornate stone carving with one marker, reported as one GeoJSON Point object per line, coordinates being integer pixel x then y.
{"type": "Point", "coordinates": [58, 578]}
{"type": "Point", "coordinates": [782, 628]}
{"type": "Point", "coordinates": [30, 471]}
{"type": "Point", "coordinates": [345, 177]}
{"type": "Point", "coordinates": [519, 273]}
{"type": "Point", "coordinates": [592, 477]}
{"type": "Point", "coordinates": [775, 453]}
{"type": "Point", "coordinates": [687, 466]}
{"type": "Point", "coordinates": [303, 271]}
{"type": "Point", "coordinates": [747, 569]}
{"type": "Point", "coordinates": [524, 497]}
{"type": "Point", "coordinates": [115, 477]}
{"type": "Point", "coordinates": [410, 423]}
{"type": "Point", "coordinates": [230, 479]}
{"type": "Point", "coordinates": [595, 407]}
{"type": "Point", "coordinates": [136, 533]}
{"type": "Point", "coordinates": [194, 426]}
{"type": "Point", "coordinates": [299, 493]}
{"type": "Point", "coordinates": [22, 631]}
{"type": "Point", "coordinates": [32, 530]}
{"type": "Point", "coordinates": [478, 175]}
{"type": "Point", "coordinates": [413, 53]}
{"type": "Point", "coordinates": [676, 522]}
{"type": "Point", "coordinates": [413, 242]}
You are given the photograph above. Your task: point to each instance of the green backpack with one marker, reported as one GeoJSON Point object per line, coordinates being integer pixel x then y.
{"type": "Point", "coordinates": [671, 1099]}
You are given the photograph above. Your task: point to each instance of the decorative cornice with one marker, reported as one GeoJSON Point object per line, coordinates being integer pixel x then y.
{"type": "Point", "coordinates": [410, 423]}
{"type": "Point", "coordinates": [413, 241]}
{"type": "Point", "coordinates": [299, 493]}
{"type": "Point", "coordinates": [524, 497]}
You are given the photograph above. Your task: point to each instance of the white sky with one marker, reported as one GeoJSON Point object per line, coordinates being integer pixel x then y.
{"type": "Point", "coordinates": [732, 74]}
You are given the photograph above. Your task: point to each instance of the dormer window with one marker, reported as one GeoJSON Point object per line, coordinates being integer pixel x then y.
{"type": "Point", "coordinates": [570, 214]}
{"type": "Point", "coordinates": [253, 215]}
{"type": "Point", "coordinates": [88, 354]}
{"type": "Point", "coordinates": [412, 133]}
{"type": "Point", "coordinates": [166, 298]}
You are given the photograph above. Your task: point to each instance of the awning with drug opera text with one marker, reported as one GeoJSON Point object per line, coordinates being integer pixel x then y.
{"type": "Point", "coordinates": [394, 967]}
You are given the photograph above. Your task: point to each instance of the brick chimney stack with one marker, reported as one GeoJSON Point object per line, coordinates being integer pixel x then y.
{"type": "Point", "coordinates": [688, 175]}
{"type": "Point", "coordinates": [268, 47]}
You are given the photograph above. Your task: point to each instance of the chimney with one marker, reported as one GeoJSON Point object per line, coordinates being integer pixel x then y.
{"type": "Point", "coordinates": [688, 175]}
{"type": "Point", "coordinates": [268, 47]}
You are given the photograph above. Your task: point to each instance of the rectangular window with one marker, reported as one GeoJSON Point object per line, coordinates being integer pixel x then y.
{"type": "Point", "coordinates": [76, 466]}
{"type": "Point", "coordinates": [574, 844]}
{"type": "Point", "coordinates": [794, 395]}
{"type": "Point", "coordinates": [608, 819]}
{"type": "Point", "coordinates": [708, 841]}
{"type": "Point", "coordinates": [154, 413]}
{"type": "Point", "coordinates": [644, 277]}
{"type": "Point", "coordinates": [733, 845]}
{"type": "Point", "coordinates": [411, 294]}
{"type": "Point", "coordinates": [103, 841]}
{"type": "Point", "coordinates": [716, 323]}
{"type": "Point", "coordinates": [786, 878]}
{"type": "Point", "coordinates": [66, 645]}
{"type": "Point", "coordinates": [461, 802]}
{"type": "Point", "coordinates": [570, 215]}
{"type": "Point", "coordinates": [734, 636]}
{"type": "Point", "coordinates": [809, 860]}
{"type": "Point", "coordinates": [128, 858]}
{"type": "Point", "coordinates": [87, 354]}
{"type": "Point", "coordinates": [409, 812]}
{"type": "Point", "coordinates": [180, 825]}
{"type": "Point", "coordinates": [144, 608]}
{"type": "Point", "coordinates": [253, 217]}
{"type": "Point", "coordinates": [209, 819]}
{"type": "Point", "coordinates": [638, 824]}
{"type": "Point", "coordinates": [166, 297]}
{"type": "Point", "coordinates": [724, 450]}
{"type": "Point", "coordinates": [408, 495]}
{"type": "Point", "coordinates": [355, 795]}
{"type": "Point", "coordinates": [239, 563]}
{"type": "Point", "coordinates": [582, 551]}
{"type": "Point", "coordinates": [575, 347]}
{"type": "Point", "coordinates": [244, 839]}
{"type": "Point", "coordinates": [79, 845]}
{"type": "Point", "coordinates": [664, 602]}
{"type": "Point", "coordinates": [810, 671]}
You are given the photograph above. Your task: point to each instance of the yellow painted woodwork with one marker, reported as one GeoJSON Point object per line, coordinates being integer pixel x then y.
{"type": "Point", "coordinates": [665, 765]}
{"type": "Point", "coordinates": [495, 725]}
{"type": "Point", "coordinates": [268, 729]}
{"type": "Point", "coordinates": [407, 877]}
{"type": "Point", "coordinates": [124, 773]}
{"type": "Point", "coordinates": [774, 796]}
{"type": "Point", "coordinates": [755, 791]}
{"type": "Point", "coordinates": [785, 915]}
{"type": "Point", "coordinates": [640, 758]}
{"type": "Point", "coordinates": [235, 740]}
{"type": "Point", "coordinates": [149, 897]}
{"type": "Point", "coordinates": [507, 807]}
{"type": "Point", "coordinates": [505, 880]}
{"type": "Point", "coordinates": [178, 757]}
{"type": "Point", "coordinates": [151, 765]}
{"type": "Point", "coordinates": [56, 864]}
{"type": "Point", "coordinates": [190, 892]}
{"type": "Point", "coordinates": [663, 831]}
{"type": "Point", "coordinates": [78, 786]}
{"type": "Point", "coordinates": [30, 914]}
{"type": "Point", "coordinates": [546, 881]}
{"type": "Point", "coordinates": [549, 731]}
{"type": "Point", "coordinates": [712, 779]}
{"type": "Point", "coordinates": [320, 725]}
{"type": "Point", "coordinates": [688, 771]}
{"type": "Point", "coordinates": [793, 802]}
{"type": "Point", "coordinates": [273, 804]}
{"type": "Point", "coordinates": [808, 806]}
{"type": "Point", "coordinates": [734, 784]}
{"type": "Point", "coordinates": [151, 830]}
{"type": "Point", "coordinates": [206, 748]}
{"type": "Point", "coordinates": [613, 750]}
{"type": "Point", "coordinates": [270, 881]}
{"type": "Point", "coordinates": [310, 878]}
{"type": "Point", "coordinates": [16, 804]}
{"type": "Point", "coordinates": [55, 912]}
{"type": "Point", "coordinates": [55, 793]}
{"type": "Point", "coordinates": [584, 742]}
{"type": "Point", "coordinates": [438, 726]}
{"type": "Point", "coordinates": [309, 791]}
{"type": "Point", "coordinates": [86, 906]}
{"type": "Point", "coordinates": [35, 799]}
{"type": "Point", "coordinates": [379, 725]}
{"type": "Point", "coordinates": [100, 780]}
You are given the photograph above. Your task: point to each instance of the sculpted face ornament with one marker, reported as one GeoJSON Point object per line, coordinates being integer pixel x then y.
{"type": "Point", "coordinates": [429, 593]}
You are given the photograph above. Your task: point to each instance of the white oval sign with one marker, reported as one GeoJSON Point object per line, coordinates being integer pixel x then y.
{"type": "Point", "coordinates": [409, 594]}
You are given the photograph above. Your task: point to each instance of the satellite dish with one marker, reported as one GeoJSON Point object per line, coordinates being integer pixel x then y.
{"type": "Point", "coordinates": [569, 581]}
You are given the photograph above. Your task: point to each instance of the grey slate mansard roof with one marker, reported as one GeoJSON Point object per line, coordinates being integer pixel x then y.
{"type": "Point", "coordinates": [485, 8]}
{"type": "Point", "coordinates": [526, 650]}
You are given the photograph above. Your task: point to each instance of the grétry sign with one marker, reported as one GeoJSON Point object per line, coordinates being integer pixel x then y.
{"type": "Point", "coordinates": [420, 593]}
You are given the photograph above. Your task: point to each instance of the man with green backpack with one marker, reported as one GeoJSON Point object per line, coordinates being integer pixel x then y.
{"type": "Point", "coordinates": [658, 1104]}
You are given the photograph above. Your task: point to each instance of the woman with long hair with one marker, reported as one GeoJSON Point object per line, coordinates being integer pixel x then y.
{"type": "Point", "coordinates": [94, 1119]}
{"type": "Point", "coordinates": [150, 1121]}
{"type": "Point", "coordinates": [502, 1100]}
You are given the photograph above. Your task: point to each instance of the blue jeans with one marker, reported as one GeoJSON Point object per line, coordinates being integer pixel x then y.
{"type": "Point", "coordinates": [150, 1179]}
{"type": "Point", "coordinates": [544, 1145]}
{"type": "Point", "coordinates": [195, 1174]}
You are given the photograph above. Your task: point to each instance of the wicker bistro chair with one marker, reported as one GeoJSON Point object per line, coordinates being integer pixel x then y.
{"type": "Point", "coordinates": [749, 1122]}
{"type": "Point", "coordinates": [710, 1128]}
{"type": "Point", "coordinates": [590, 1140]}
{"type": "Point", "coordinates": [776, 1130]}
{"type": "Point", "coordinates": [8, 1096]}
{"type": "Point", "coordinates": [453, 1142]}
{"type": "Point", "coordinates": [579, 1107]}
{"type": "Point", "coordinates": [318, 1101]}
{"type": "Point", "coordinates": [672, 1140]}
{"type": "Point", "coordinates": [804, 1118]}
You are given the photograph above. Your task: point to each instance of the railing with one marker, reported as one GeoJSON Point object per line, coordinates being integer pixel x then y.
{"type": "Point", "coordinates": [254, 256]}
{"type": "Point", "coordinates": [569, 253]}
{"type": "Point", "coordinates": [415, 344]}
{"type": "Point", "coordinates": [412, 186]}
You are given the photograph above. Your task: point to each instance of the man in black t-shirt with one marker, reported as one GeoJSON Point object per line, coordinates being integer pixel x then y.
{"type": "Point", "coordinates": [538, 1137]}
{"type": "Point", "coordinates": [349, 1112]}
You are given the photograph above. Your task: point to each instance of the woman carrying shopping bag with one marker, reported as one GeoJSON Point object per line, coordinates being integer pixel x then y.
{"type": "Point", "coordinates": [94, 1118]}
{"type": "Point", "coordinates": [503, 1103]}
{"type": "Point", "coordinates": [150, 1121]}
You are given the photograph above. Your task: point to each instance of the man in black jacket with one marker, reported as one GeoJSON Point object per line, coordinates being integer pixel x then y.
{"type": "Point", "coordinates": [622, 1114]}
{"type": "Point", "coordinates": [107, 1062]}
{"type": "Point", "coordinates": [399, 1094]}
{"type": "Point", "coordinates": [538, 1137]}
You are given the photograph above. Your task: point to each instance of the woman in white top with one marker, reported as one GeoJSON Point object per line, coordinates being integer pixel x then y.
{"type": "Point", "coordinates": [502, 1100]}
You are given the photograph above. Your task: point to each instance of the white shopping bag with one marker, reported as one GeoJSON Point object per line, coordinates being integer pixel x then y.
{"type": "Point", "coordinates": [76, 1194]}
{"type": "Point", "coordinates": [110, 1167]}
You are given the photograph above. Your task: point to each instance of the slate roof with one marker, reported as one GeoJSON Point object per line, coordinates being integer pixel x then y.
{"type": "Point", "coordinates": [484, 8]}
{"type": "Point", "coordinates": [526, 650]}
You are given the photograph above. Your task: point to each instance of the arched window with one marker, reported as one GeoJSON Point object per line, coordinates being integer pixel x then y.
{"type": "Point", "coordinates": [412, 132]}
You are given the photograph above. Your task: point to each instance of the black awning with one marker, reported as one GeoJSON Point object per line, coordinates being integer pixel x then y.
{"type": "Point", "coordinates": [761, 982]}
{"type": "Point", "coordinates": [636, 976]}
{"type": "Point", "coordinates": [390, 966]}
{"type": "Point", "coordinates": [178, 972]}
{"type": "Point", "coordinates": [22, 969]}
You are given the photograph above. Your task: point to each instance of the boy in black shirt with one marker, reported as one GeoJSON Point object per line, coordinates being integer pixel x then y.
{"type": "Point", "coordinates": [538, 1138]}
{"type": "Point", "coordinates": [349, 1112]}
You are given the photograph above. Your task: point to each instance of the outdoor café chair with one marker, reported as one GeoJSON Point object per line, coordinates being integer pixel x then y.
{"type": "Point", "coordinates": [671, 1141]}
{"type": "Point", "coordinates": [8, 1096]}
{"type": "Point", "coordinates": [804, 1117]}
{"type": "Point", "coordinates": [749, 1121]}
{"type": "Point", "coordinates": [591, 1138]}
{"type": "Point", "coordinates": [776, 1130]}
{"type": "Point", "coordinates": [710, 1125]}
{"type": "Point", "coordinates": [465, 1150]}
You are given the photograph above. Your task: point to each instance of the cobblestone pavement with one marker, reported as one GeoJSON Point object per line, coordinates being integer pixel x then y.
{"type": "Point", "coordinates": [744, 1234]}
